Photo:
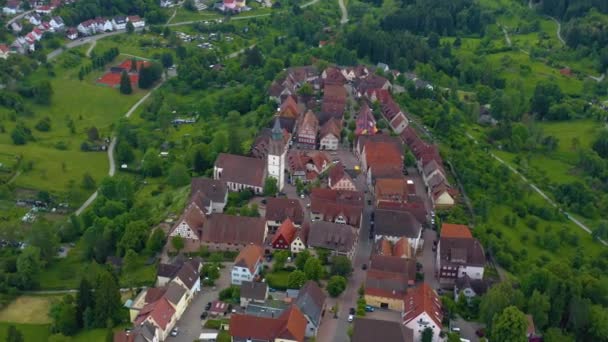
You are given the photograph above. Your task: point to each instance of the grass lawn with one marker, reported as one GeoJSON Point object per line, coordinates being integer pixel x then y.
{"type": "Point", "coordinates": [584, 131]}
{"type": "Point", "coordinates": [185, 15]}
{"type": "Point", "coordinates": [142, 45]}
{"type": "Point", "coordinates": [31, 332]}
{"type": "Point", "coordinates": [86, 105]}
{"type": "Point", "coordinates": [28, 310]}
{"type": "Point", "coordinates": [278, 279]}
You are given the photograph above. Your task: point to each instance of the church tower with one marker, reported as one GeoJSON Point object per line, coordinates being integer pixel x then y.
{"type": "Point", "coordinates": [277, 152]}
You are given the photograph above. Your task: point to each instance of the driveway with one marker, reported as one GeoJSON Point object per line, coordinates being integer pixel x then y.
{"type": "Point", "coordinates": [190, 326]}
{"type": "Point", "coordinates": [385, 315]}
{"type": "Point", "coordinates": [467, 328]}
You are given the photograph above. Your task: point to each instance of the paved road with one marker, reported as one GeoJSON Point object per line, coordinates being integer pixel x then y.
{"type": "Point", "coordinates": [344, 11]}
{"type": "Point", "coordinates": [53, 54]}
{"type": "Point", "coordinates": [190, 325]}
{"type": "Point", "coordinates": [428, 258]}
{"type": "Point", "coordinates": [467, 328]}
{"type": "Point", "coordinates": [335, 330]}
{"type": "Point", "coordinates": [17, 17]}
{"type": "Point", "coordinates": [539, 191]}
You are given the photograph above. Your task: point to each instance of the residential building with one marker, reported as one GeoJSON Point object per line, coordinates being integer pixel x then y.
{"type": "Point", "coordinates": [290, 108]}
{"type": "Point", "coordinates": [330, 134]}
{"type": "Point", "coordinates": [333, 76]}
{"type": "Point", "coordinates": [290, 326]}
{"type": "Point", "coordinates": [367, 329]}
{"type": "Point", "coordinates": [381, 160]}
{"type": "Point", "coordinates": [294, 79]}
{"type": "Point", "coordinates": [247, 264]}
{"type": "Point", "coordinates": [71, 33]}
{"type": "Point", "coordinates": [301, 239]}
{"type": "Point", "coordinates": [372, 82]}
{"type": "Point", "coordinates": [16, 27]}
{"type": "Point", "coordinates": [279, 209]}
{"type": "Point", "coordinates": [190, 225]}
{"type": "Point", "coordinates": [423, 310]}
{"type": "Point", "coordinates": [311, 302]}
{"type": "Point", "coordinates": [306, 166]}
{"type": "Point", "coordinates": [469, 287]}
{"type": "Point", "coordinates": [341, 239]}
{"type": "Point", "coordinates": [400, 248]}
{"type": "Point", "coordinates": [145, 332]}
{"type": "Point", "coordinates": [240, 173]}
{"type": "Point", "coordinates": [354, 73]}
{"type": "Point", "coordinates": [253, 292]}
{"type": "Point", "coordinates": [178, 297]}
{"type": "Point", "coordinates": [416, 207]}
{"type": "Point", "coordinates": [136, 21]}
{"type": "Point", "coordinates": [308, 129]}
{"type": "Point", "coordinates": [334, 102]}
{"type": "Point", "coordinates": [188, 277]}
{"type": "Point", "coordinates": [119, 22]}
{"type": "Point", "coordinates": [87, 28]}
{"type": "Point", "coordinates": [339, 206]}
{"type": "Point", "coordinates": [211, 194]}
{"type": "Point", "coordinates": [392, 112]}
{"type": "Point", "coordinates": [395, 224]}
{"type": "Point", "coordinates": [167, 271]}
{"type": "Point", "coordinates": [277, 152]}
{"type": "Point", "coordinates": [363, 140]}
{"type": "Point", "coordinates": [160, 314]}
{"type": "Point", "coordinates": [387, 281]}
{"type": "Point", "coordinates": [233, 233]}
{"type": "Point", "coordinates": [459, 254]}
{"type": "Point", "coordinates": [339, 179]}
{"type": "Point", "coordinates": [12, 7]}
{"type": "Point", "coordinates": [365, 122]}
{"type": "Point", "coordinates": [394, 190]}
{"type": "Point", "coordinates": [284, 236]}
{"type": "Point", "coordinates": [57, 23]}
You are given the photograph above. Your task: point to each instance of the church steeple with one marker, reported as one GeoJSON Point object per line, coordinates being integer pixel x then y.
{"type": "Point", "coordinates": [277, 131]}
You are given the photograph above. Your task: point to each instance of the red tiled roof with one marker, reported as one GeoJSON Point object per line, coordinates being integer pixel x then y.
{"type": "Point", "coordinates": [449, 230]}
{"type": "Point", "coordinates": [289, 107]}
{"type": "Point", "coordinates": [249, 257]}
{"type": "Point", "coordinates": [366, 123]}
{"type": "Point", "coordinates": [290, 325]}
{"type": "Point", "coordinates": [287, 230]}
{"type": "Point", "coordinates": [332, 203]}
{"type": "Point", "coordinates": [422, 299]}
{"type": "Point", "coordinates": [160, 311]}
{"type": "Point", "coordinates": [332, 126]}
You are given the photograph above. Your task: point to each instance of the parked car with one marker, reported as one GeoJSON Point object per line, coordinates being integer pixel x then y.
{"type": "Point", "coordinates": [351, 311]}
{"type": "Point", "coordinates": [369, 308]}
{"type": "Point", "coordinates": [208, 306]}
{"type": "Point", "coordinates": [204, 315]}
{"type": "Point", "coordinates": [175, 331]}
{"type": "Point", "coordinates": [350, 318]}
{"type": "Point", "coordinates": [270, 289]}
{"type": "Point", "coordinates": [364, 267]}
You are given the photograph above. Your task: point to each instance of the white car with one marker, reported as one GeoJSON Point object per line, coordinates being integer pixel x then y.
{"type": "Point", "coordinates": [350, 318]}
{"type": "Point", "coordinates": [174, 332]}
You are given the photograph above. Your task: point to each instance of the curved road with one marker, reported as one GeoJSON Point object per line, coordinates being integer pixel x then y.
{"type": "Point", "coordinates": [18, 17]}
{"type": "Point", "coordinates": [82, 41]}
{"type": "Point", "coordinates": [538, 191]}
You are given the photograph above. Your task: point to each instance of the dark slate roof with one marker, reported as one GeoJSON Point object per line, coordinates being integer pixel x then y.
{"type": "Point", "coordinates": [279, 209]}
{"type": "Point", "coordinates": [214, 190]}
{"type": "Point", "coordinates": [334, 236]}
{"type": "Point", "coordinates": [397, 223]}
{"type": "Point", "coordinates": [310, 301]}
{"type": "Point", "coordinates": [461, 251]}
{"type": "Point", "coordinates": [366, 330]}
{"type": "Point", "coordinates": [174, 293]}
{"type": "Point", "coordinates": [254, 290]}
{"type": "Point", "coordinates": [188, 275]}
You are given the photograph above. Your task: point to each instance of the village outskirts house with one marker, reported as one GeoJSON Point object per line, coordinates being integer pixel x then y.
{"type": "Point", "coordinates": [136, 20]}
{"type": "Point", "coordinates": [247, 264]}
{"type": "Point", "coordinates": [119, 22]}
{"type": "Point", "coordinates": [4, 51]}
{"type": "Point", "coordinates": [212, 194]}
{"type": "Point", "coordinates": [12, 7]}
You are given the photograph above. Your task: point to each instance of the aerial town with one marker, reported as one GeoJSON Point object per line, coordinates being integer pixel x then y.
{"type": "Point", "coordinates": [303, 171]}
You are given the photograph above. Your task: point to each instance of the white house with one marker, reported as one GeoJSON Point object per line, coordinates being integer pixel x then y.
{"type": "Point", "coordinates": [57, 23]}
{"type": "Point", "coordinates": [34, 19]}
{"type": "Point", "coordinates": [103, 25]}
{"type": "Point", "coordinates": [12, 7]}
{"type": "Point", "coordinates": [119, 22]}
{"type": "Point", "coordinates": [422, 310]}
{"type": "Point", "coordinates": [71, 33]}
{"type": "Point", "coordinates": [87, 28]}
{"type": "Point", "coordinates": [299, 242]}
{"type": "Point", "coordinates": [136, 21]}
{"type": "Point", "coordinates": [247, 264]}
